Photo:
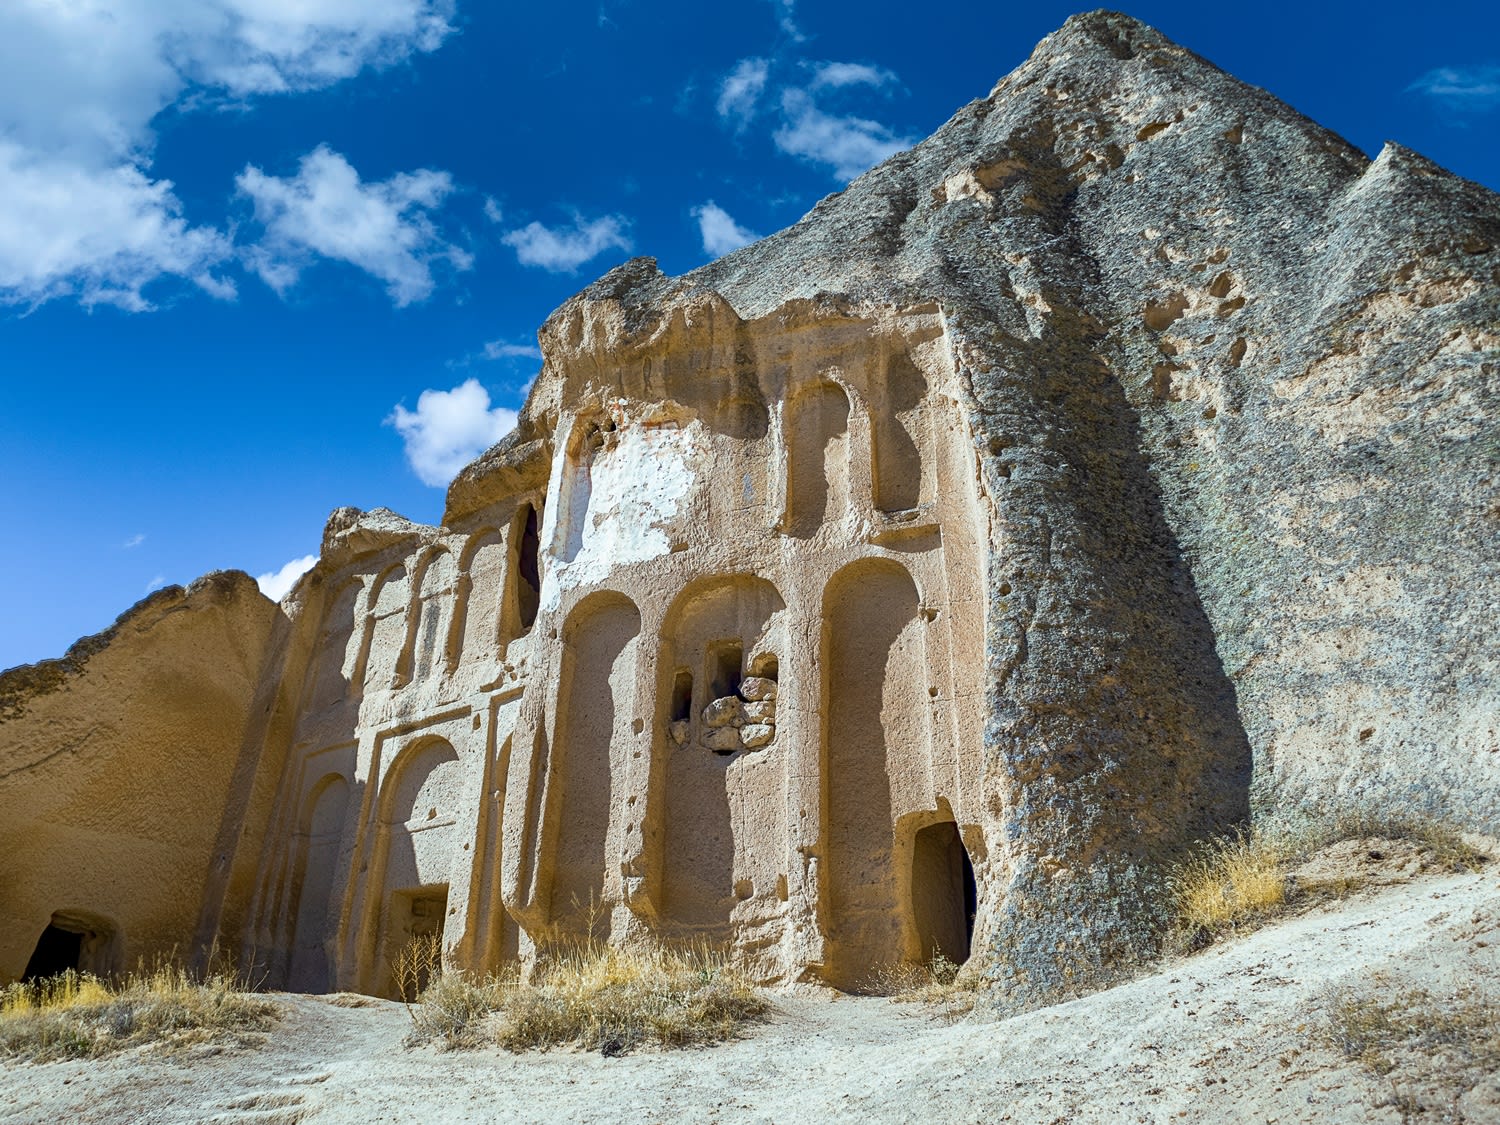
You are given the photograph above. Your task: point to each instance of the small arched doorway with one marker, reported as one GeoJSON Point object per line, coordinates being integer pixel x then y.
{"type": "Point", "coordinates": [944, 896]}
{"type": "Point", "coordinates": [77, 942]}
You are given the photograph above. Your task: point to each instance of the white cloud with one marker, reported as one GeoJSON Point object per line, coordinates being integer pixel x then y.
{"type": "Point", "coordinates": [385, 228]}
{"type": "Point", "coordinates": [720, 233]}
{"type": "Point", "coordinates": [564, 249]}
{"type": "Point", "coordinates": [134, 541]}
{"type": "Point", "coordinates": [156, 583]}
{"type": "Point", "coordinates": [492, 210]}
{"type": "Point", "coordinates": [81, 213]}
{"type": "Point", "coordinates": [278, 584]}
{"type": "Point", "coordinates": [1473, 89]}
{"type": "Point", "coordinates": [449, 429]}
{"type": "Point", "coordinates": [741, 89]}
{"type": "Point", "coordinates": [836, 75]}
{"type": "Point", "coordinates": [848, 145]}
{"type": "Point", "coordinates": [98, 233]}
{"type": "Point", "coordinates": [501, 349]}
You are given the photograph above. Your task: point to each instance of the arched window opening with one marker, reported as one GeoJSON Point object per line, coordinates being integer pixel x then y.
{"type": "Point", "coordinates": [528, 576]}
{"type": "Point", "coordinates": [726, 660]}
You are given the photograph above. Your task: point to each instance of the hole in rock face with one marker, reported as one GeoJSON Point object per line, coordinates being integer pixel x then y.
{"type": "Point", "coordinates": [726, 661]}
{"type": "Point", "coordinates": [529, 583]}
{"type": "Point", "coordinates": [943, 891]}
{"type": "Point", "coordinates": [78, 942]}
{"type": "Point", "coordinates": [764, 666]}
{"type": "Point", "coordinates": [57, 951]}
{"type": "Point", "coordinates": [682, 696]}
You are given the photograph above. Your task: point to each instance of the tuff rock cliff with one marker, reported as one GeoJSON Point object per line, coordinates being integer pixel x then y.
{"type": "Point", "coordinates": [1116, 463]}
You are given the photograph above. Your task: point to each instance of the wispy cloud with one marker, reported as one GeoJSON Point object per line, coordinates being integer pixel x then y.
{"type": "Point", "coordinates": [1471, 89]}
{"type": "Point", "coordinates": [848, 145]}
{"type": "Point", "coordinates": [808, 128]}
{"type": "Point", "coordinates": [278, 583]}
{"type": "Point", "coordinates": [720, 233]}
{"type": "Point", "coordinates": [786, 19]}
{"type": "Point", "coordinates": [449, 429]}
{"type": "Point", "coordinates": [503, 349]}
{"type": "Point", "coordinates": [836, 75]}
{"type": "Point", "coordinates": [134, 541]}
{"type": "Point", "coordinates": [325, 210]}
{"type": "Point", "coordinates": [741, 90]}
{"type": "Point", "coordinates": [156, 583]}
{"type": "Point", "coordinates": [563, 249]}
{"type": "Point", "coordinates": [81, 86]}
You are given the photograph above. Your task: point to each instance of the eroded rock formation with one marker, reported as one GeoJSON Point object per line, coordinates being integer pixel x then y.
{"type": "Point", "coordinates": [921, 578]}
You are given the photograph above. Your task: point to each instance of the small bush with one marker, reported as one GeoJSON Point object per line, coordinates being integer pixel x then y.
{"type": "Point", "coordinates": [81, 1016]}
{"type": "Point", "coordinates": [1446, 847]}
{"type": "Point", "coordinates": [596, 997]}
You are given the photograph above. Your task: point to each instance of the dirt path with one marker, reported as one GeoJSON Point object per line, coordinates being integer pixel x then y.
{"type": "Point", "coordinates": [1229, 1035]}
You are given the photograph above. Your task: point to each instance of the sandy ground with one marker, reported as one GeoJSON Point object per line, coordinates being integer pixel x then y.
{"type": "Point", "coordinates": [1230, 1035]}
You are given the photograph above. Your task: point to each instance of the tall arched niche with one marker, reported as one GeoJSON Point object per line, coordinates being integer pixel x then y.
{"type": "Point", "coordinates": [430, 645]}
{"type": "Point", "coordinates": [875, 737]}
{"type": "Point", "coordinates": [723, 815]}
{"type": "Point", "coordinates": [418, 840]}
{"type": "Point", "coordinates": [387, 628]}
{"type": "Point", "coordinates": [337, 651]}
{"type": "Point", "coordinates": [596, 702]}
{"type": "Point", "coordinates": [481, 587]}
{"type": "Point", "coordinates": [817, 453]}
{"type": "Point", "coordinates": [320, 832]}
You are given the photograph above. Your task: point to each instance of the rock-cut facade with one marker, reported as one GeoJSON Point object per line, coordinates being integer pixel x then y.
{"type": "Point", "coordinates": [925, 578]}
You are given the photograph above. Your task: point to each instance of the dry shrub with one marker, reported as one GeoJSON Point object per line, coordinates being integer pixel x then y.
{"type": "Point", "coordinates": [418, 963]}
{"type": "Point", "coordinates": [596, 997]}
{"type": "Point", "coordinates": [348, 1000]}
{"type": "Point", "coordinates": [1444, 844]}
{"type": "Point", "coordinates": [937, 983]}
{"type": "Point", "coordinates": [81, 1016]}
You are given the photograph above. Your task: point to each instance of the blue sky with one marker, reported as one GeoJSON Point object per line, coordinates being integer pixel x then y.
{"type": "Point", "coordinates": [262, 258]}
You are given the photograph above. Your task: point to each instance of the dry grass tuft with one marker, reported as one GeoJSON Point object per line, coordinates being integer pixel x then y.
{"type": "Point", "coordinates": [596, 997]}
{"type": "Point", "coordinates": [1240, 881]}
{"type": "Point", "coordinates": [1444, 844]}
{"type": "Point", "coordinates": [1229, 882]}
{"type": "Point", "coordinates": [81, 1016]}
{"type": "Point", "coordinates": [348, 1000]}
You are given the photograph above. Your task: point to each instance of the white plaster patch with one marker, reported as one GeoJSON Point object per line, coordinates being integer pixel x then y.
{"type": "Point", "coordinates": [619, 504]}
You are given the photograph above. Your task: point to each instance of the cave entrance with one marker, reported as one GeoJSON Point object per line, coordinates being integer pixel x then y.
{"type": "Point", "coordinates": [944, 896]}
{"type": "Point", "coordinates": [69, 943]}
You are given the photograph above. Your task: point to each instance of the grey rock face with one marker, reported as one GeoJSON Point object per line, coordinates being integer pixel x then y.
{"type": "Point", "coordinates": [1234, 388]}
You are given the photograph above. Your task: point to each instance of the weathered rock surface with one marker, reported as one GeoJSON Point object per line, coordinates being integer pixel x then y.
{"type": "Point", "coordinates": [1234, 389]}
{"type": "Point", "coordinates": [1119, 459]}
{"type": "Point", "coordinates": [125, 772]}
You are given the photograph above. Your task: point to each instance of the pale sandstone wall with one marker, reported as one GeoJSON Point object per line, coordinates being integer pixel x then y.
{"type": "Point", "coordinates": [598, 693]}
{"type": "Point", "coordinates": [117, 767]}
